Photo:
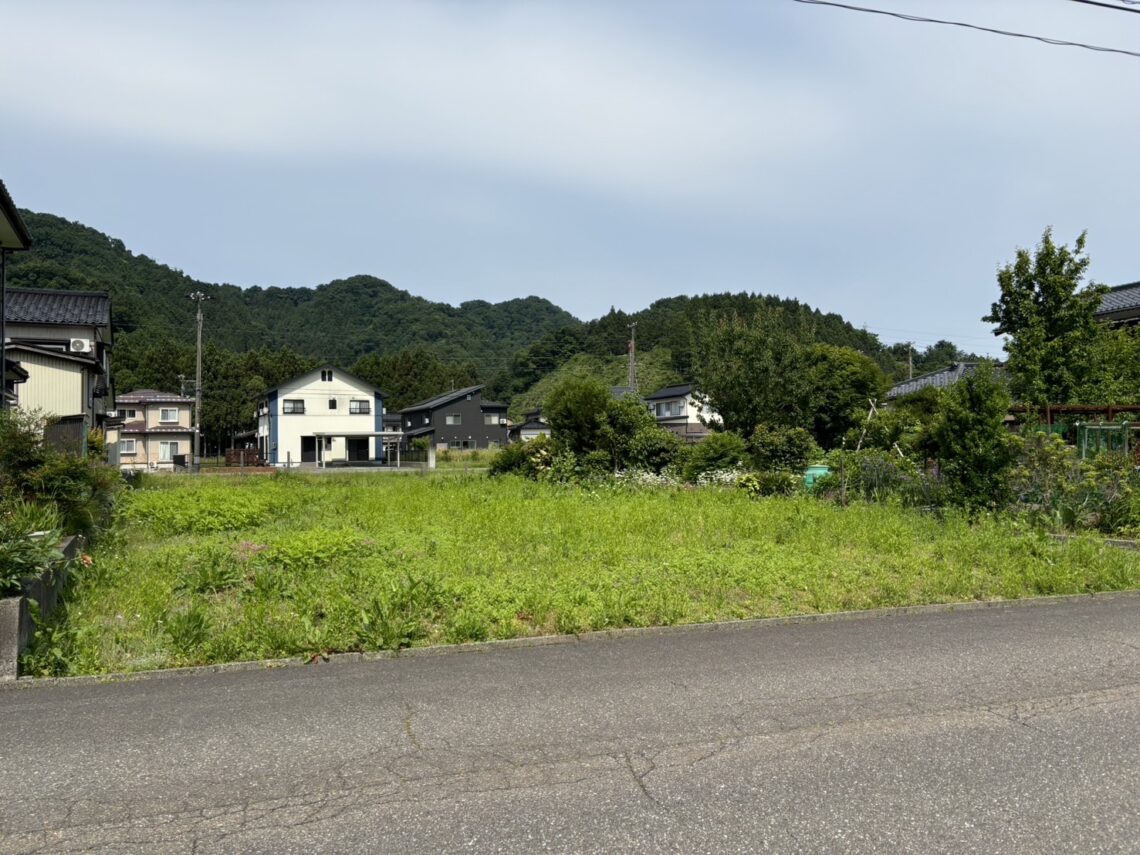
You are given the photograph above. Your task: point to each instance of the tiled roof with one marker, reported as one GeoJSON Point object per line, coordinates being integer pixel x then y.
{"type": "Point", "coordinates": [671, 392]}
{"type": "Point", "coordinates": [1120, 299]}
{"type": "Point", "coordinates": [939, 379]}
{"type": "Point", "coordinates": [74, 308]}
{"type": "Point", "coordinates": [440, 400]}
{"type": "Point", "coordinates": [152, 396]}
{"type": "Point", "coordinates": [13, 232]}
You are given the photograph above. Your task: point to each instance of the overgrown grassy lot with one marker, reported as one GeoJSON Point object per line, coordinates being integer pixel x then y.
{"type": "Point", "coordinates": [220, 569]}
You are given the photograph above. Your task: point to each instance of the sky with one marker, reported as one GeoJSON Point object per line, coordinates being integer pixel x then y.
{"type": "Point", "coordinates": [597, 154]}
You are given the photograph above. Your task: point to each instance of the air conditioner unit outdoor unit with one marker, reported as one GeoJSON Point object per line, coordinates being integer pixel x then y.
{"type": "Point", "coordinates": [80, 345]}
{"type": "Point", "coordinates": [502, 421]}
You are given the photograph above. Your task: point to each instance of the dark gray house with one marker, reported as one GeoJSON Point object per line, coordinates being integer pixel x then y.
{"type": "Point", "coordinates": [460, 419]}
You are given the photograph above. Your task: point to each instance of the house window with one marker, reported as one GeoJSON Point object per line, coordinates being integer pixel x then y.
{"type": "Point", "coordinates": [668, 409]}
{"type": "Point", "coordinates": [167, 450]}
{"type": "Point", "coordinates": [167, 415]}
{"type": "Point", "coordinates": [359, 408]}
{"type": "Point", "coordinates": [427, 420]}
{"type": "Point", "coordinates": [127, 446]}
{"type": "Point", "coordinates": [288, 406]}
{"type": "Point", "coordinates": [461, 444]}
{"type": "Point", "coordinates": [468, 396]}
{"type": "Point", "coordinates": [128, 414]}
{"type": "Point", "coordinates": [332, 403]}
{"type": "Point", "coordinates": [409, 422]}
{"type": "Point", "coordinates": [453, 419]}
{"type": "Point", "coordinates": [491, 418]}
{"type": "Point", "coordinates": [326, 375]}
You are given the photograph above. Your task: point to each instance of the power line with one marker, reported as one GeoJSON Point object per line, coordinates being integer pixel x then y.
{"type": "Point", "coordinates": [1111, 5]}
{"type": "Point", "coordinates": [1010, 33]}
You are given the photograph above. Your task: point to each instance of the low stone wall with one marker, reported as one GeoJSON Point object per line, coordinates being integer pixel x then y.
{"type": "Point", "coordinates": [16, 625]}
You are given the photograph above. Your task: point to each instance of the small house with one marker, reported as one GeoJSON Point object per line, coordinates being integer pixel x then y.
{"type": "Point", "coordinates": [156, 428]}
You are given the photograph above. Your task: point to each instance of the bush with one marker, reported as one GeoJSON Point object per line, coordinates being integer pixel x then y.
{"type": "Point", "coordinates": [877, 476]}
{"type": "Point", "coordinates": [29, 538]}
{"type": "Point", "coordinates": [975, 451]}
{"type": "Point", "coordinates": [782, 448]}
{"type": "Point", "coordinates": [716, 451]}
{"type": "Point", "coordinates": [82, 490]}
{"type": "Point", "coordinates": [760, 484]}
{"type": "Point", "coordinates": [529, 459]}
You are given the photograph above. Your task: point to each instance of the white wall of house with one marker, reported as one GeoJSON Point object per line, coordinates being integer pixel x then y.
{"type": "Point", "coordinates": [54, 386]}
{"type": "Point", "coordinates": [328, 405]}
{"type": "Point", "coordinates": [684, 407]}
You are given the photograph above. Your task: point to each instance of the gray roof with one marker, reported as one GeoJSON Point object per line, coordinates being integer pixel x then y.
{"type": "Point", "coordinates": [440, 400]}
{"type": "Point", "coordinates": [671, 392]}
{"type": "Point", "coordinates": [329, 366]}
{"type": "Point", "coordinates": [13, 232]}
{"type": "Point", "coordinates": [938, 379]}
{"type": "Point", "coordinates": [152, 396]}
{"type": "Point", "coordinates": [1122, 298]}
{"type": "Point", "coordinates": [72, 308]}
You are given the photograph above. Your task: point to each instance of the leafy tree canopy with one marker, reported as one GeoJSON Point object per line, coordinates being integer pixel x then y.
{"type": "Point", "coordinates": [1048, 318]}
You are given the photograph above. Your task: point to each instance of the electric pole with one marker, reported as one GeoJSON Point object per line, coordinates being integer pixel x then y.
{"type": "Point", "coordinates": [910, 360]}
{"type": "Point", "coordinates": [198, 297]}
{"type": "Point", "coordinates": [633, 356]}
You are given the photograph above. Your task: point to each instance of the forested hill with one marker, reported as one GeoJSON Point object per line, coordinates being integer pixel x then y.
{"type": "Point", "coordinates": [338, 322]}
{"type": "Point", "coordinates": [411, 347]}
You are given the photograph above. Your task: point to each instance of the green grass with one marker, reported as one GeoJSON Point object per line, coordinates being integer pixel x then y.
{"type": "Point", "coordinates": [222, 569]}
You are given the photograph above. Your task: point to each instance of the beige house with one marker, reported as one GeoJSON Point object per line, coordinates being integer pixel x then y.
{"type": "Point", "coordinates": [156, 429]}
{"type": "Point", "coordinates": [61, 341]}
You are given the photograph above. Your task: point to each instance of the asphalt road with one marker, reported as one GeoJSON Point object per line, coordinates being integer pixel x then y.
{"type": "Point", "coordinates": [991, 730]}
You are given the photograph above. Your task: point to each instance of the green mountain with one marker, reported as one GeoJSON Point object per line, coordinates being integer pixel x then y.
{"type": "Point", "coordinates": [339, 321]}
{"type": "Point", "coordinates": [256, 337]}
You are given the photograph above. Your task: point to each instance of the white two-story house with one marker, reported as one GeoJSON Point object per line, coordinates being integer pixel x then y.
{"type": "Point", "coordinates": [323, 416]}
{"type": "Point", "coordinates": [156, 429]}
{"type": "Point", "coordinates": [677, 409]}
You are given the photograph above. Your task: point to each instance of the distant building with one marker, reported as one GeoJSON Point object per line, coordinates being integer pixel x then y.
{"type": "Point", "coordinates": [459, 419]}
{"type": "Point", "coordinates": [156, 428]}
{"type": "Point", "coordinates": [322, 416]}
{"type": "Point", "coordinates": [679, 410]}
{"type": "Point", "coordinates": [1121, 305]}
{"type": "Point", "coordinates": [531, 427]}
{"type": "Point", "coordinates": [940, 379]}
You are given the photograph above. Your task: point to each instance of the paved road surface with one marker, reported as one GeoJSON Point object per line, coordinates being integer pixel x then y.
{"type": "Point", "coordinates": [993, 730]}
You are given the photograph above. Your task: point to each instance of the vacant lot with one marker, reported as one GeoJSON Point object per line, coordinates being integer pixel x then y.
{"type": "Point", "coordinates": [222, 569]}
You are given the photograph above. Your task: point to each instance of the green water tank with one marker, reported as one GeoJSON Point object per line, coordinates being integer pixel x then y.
{"type": "Point", "coordinates": [813, 473]}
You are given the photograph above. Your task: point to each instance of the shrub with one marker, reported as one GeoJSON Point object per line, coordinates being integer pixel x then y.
{"type": "Point", "coordinates": [782, 448]}
{"type": "Point", "coordinates": [29, 538]}
{"type": "Point", "coordinates": [760, 484]}
{"type": "Point", "coordinates": [975, 451]}
{"type": "Point", "coordinates": [529, 459]}
{"type": "Point", "coordinates": [876, 476]}
{"type": "Point", "coordinates": [722, 450]}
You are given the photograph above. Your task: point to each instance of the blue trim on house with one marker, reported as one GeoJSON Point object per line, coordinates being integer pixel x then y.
{"type": "Point", "coordinates": [273, 426]}
{"type": "Point", "coordinates": [378, 416]}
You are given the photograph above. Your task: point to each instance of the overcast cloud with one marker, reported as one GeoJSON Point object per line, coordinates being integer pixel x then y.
{"type": "Point", "coordinates": [594, 154]}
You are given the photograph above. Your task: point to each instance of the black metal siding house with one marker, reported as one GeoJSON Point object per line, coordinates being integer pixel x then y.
{"type": "Point", "coordinates": [460, 419]}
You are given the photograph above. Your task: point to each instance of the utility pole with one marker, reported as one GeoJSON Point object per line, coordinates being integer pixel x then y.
{"type": "Point", "coordinates": [910, 360]}
{"type": "Point", "coordinates": [633, 356]}
{"type": "Point", "coordinates": [198, 297]}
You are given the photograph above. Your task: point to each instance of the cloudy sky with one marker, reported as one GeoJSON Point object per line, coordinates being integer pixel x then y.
{"type": "Point", "coordinates": [597, 154]}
